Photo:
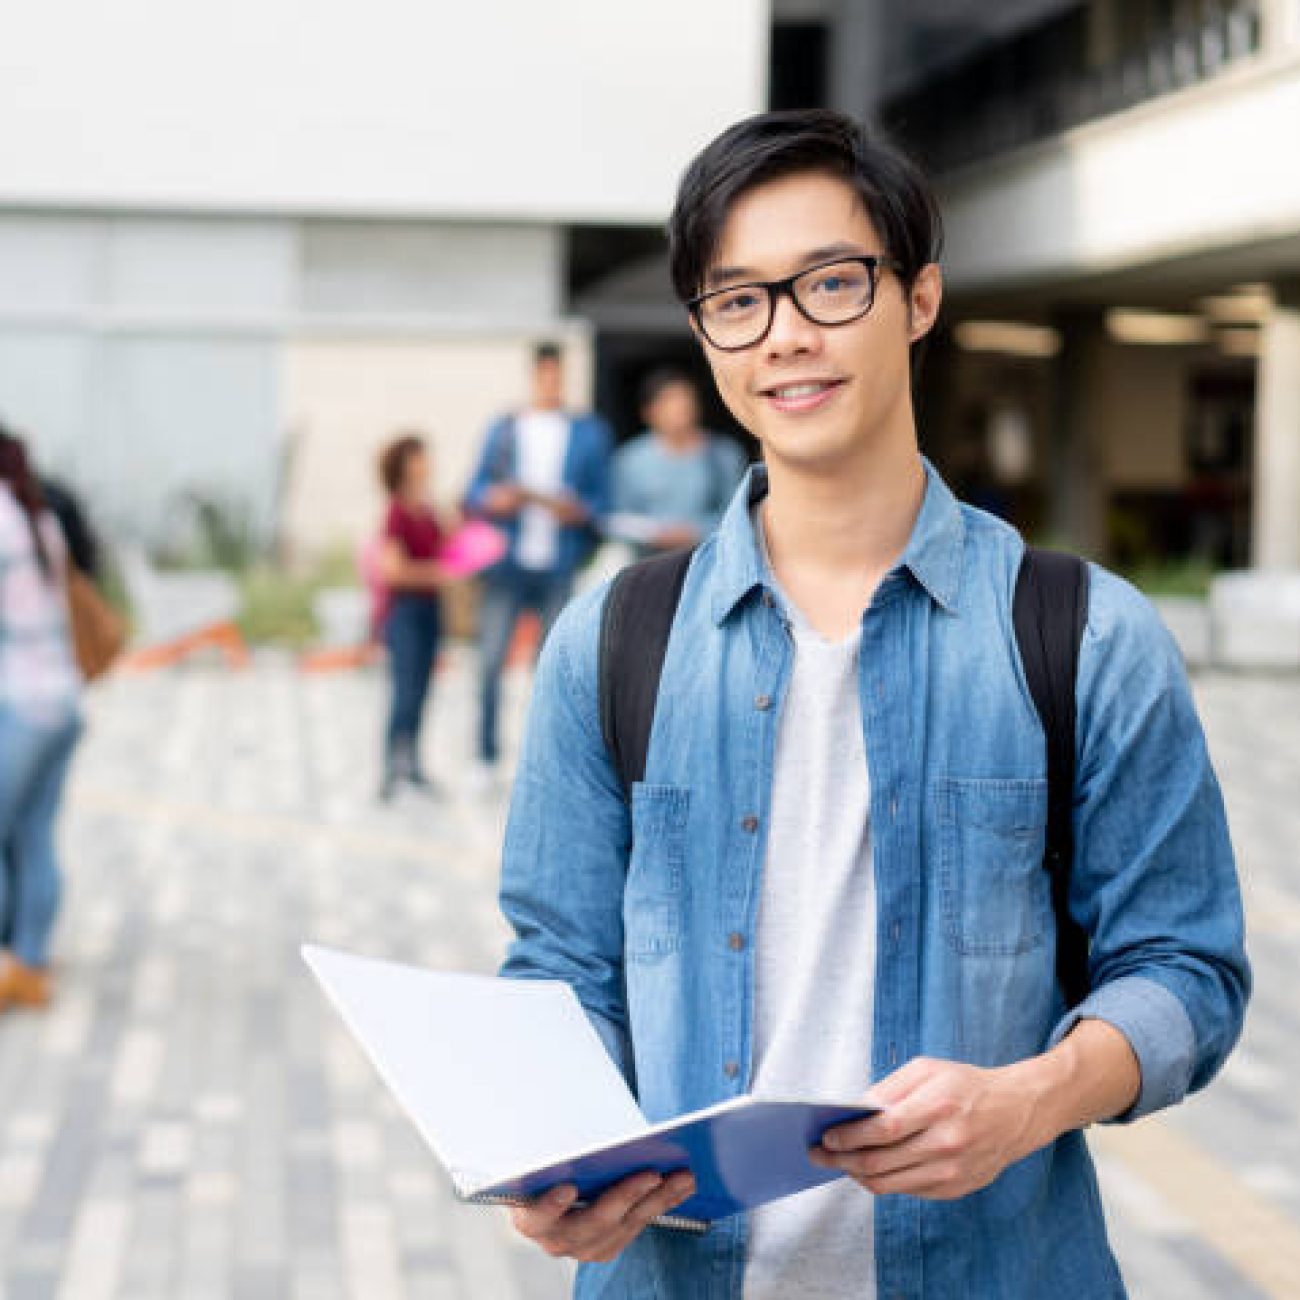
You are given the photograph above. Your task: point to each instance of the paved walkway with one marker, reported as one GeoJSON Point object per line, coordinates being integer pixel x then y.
{"type": "Point", "coordinates": [190, 1121]}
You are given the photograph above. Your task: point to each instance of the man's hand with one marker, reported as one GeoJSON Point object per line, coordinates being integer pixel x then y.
{"type": "Point", "coordinates": [503, 500]}
{"type": "Point", "coordinates": [603, 1230]}
{"type": "Point", "coordinates": [948, 1130]}
{"type": "Point", "coordinates": [951, 1129]}
{"type": "Point", "coordinates": [565, 507]}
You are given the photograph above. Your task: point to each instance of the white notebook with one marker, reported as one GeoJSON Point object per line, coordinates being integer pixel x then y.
{"type": "Point", "coordinates": [512, 1088]}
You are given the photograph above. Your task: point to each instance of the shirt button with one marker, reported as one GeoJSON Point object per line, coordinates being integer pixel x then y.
{"type": "Point", "coordinates": [767, 599]}
{"type": "Point", "coordinates": [893, 806]}
{"type": "Point", "coordinates": [731, 1069]}
{"type": "Point", "coordinates": [750, 823]}
{"type": "Point", "coordinates": [762, 703]}
{"type": "Point", "coordinates": [736, 941]}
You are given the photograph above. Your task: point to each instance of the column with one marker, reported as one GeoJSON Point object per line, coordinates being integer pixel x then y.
{"type": "Point", "coordinates": [1075, 477]}
{"type": "Point", "coordinates": [1275, 523]}
{"type": "Point", "coordinates": [856, 57]}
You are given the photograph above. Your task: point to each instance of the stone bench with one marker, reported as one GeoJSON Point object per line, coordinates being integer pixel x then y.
{"type": "Point", "coordinates": [1255, 619]}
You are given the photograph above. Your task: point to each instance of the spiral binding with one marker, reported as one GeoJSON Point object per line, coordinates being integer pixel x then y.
{"type": "Point", "coordinates": [676, 1222]}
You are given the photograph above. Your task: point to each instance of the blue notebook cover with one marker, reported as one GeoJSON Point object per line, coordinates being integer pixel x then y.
{"type": "Point", "coordinates": [743, 1153]}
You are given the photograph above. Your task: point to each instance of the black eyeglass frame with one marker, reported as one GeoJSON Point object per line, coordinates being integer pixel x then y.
{"type": "Point", "coordinates": [777, 289]}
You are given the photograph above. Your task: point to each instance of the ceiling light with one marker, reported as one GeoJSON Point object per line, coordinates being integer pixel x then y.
{"type": "Point", "coordinates": [1010, 338]}
{"type": "Point", "coordinates": [1156, 327]}
{"type": "Point", "coordinates": [1247, 304]}
{"type": "Point", "coordinates": [1242, 341]}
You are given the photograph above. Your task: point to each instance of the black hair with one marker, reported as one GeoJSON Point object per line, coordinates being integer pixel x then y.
{"type": "Point", "coordinates": [659, 379]}
{"type": "Point", "coordinates": [16, 473]}
{"type": "Point", "coordinates": [547, 351]}
{"type": "Point", "coordinates": [896, 194]}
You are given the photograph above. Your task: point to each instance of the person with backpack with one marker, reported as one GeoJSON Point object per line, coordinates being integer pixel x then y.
{"type": "Point", "coordinates": [862, 800]}
{"type": "Point", "coordinates": [672, 482]}
{"type": "Point", "coordinates": [543, 478]}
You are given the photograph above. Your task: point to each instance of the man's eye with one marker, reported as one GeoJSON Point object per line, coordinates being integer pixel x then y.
{"type": "Point", "coordinates": [736, 304]}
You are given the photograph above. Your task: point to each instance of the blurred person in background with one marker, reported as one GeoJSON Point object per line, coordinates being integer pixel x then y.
{"type": "Point", "coordinates": [674, 481]}
{"type": "Point", "coordinates": [40, 689]}
{"type": "Point", "coordinates": [408, 617]}
{"type": "Point", "coordinates": [543, 477]}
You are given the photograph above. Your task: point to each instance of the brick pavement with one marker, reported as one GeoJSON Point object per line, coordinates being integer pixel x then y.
{"type": "Point", "coordinates": [190, 1121]}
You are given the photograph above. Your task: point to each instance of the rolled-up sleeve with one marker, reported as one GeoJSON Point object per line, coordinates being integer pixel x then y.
{"type": "Point", "coordinates": [1154, 883]}
{"type": "Point", "coordinates": [568, 836]}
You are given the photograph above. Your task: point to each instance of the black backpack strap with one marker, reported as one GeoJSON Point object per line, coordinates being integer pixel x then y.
{"type": "Point", "coordinates": [634, 627]}
{"type": "Point", "coordinates": [1049, 613]}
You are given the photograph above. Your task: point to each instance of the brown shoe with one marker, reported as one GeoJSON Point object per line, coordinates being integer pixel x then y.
{"type": "Point", "coordinates": [23, 986]}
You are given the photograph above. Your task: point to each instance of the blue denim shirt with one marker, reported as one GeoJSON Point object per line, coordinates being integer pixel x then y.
{"type": "Point", "coordinates": [634, 907]}
{"type": "Point", "coordinates": [586, 474]}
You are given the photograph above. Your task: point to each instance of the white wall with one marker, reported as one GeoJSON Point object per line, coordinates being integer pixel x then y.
{"type": "Point", "coordinates": [1205, 169]}
{"type": "Point", "coordinates": [564, 110]}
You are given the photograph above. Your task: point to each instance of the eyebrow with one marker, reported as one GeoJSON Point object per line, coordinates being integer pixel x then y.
{"type": "Point", "coordinates": [720, 275]}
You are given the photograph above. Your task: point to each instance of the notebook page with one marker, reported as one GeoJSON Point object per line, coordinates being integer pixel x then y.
{"type": "Point", "coordinates": [498, 1075]}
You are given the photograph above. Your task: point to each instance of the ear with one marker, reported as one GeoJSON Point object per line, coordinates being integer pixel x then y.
{"type": "Point", "coordinates": [923, 301]}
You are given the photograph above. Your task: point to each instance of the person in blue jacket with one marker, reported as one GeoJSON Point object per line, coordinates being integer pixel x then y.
{"type": "Point", "coordinates": [543, 477]}
{"type": "Point", "coordinates": [829, 882]}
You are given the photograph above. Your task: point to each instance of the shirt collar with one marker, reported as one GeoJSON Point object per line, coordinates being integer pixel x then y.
{"type": "Point", "coordinates": [933, 554]}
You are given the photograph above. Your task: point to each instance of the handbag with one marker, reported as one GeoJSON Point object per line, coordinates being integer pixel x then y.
{"type": "Point", "coordinates": [98, 630]}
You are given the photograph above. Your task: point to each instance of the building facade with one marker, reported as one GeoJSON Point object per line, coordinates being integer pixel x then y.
{"type": "Point", "coordinates": [240, 246]}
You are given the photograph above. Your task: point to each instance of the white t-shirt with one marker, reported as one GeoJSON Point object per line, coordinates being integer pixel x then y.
{"type": "Point", "coordinates": [541, 446]}
{"type": "Point", "coordinates": [815, 961]}
{"type": "Point", "coordinates": [38, 673]}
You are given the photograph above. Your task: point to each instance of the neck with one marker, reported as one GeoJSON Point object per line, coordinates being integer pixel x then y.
{"type": "Point", "coordinates": [855, 521]}
{"type": "Point", "coordinates": [680, 439]}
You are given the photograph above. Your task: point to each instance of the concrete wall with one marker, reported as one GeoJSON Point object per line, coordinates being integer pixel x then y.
{"type": "Point", "coordinates": [579, 110]}
{"type": "Point", "coordinates": [149, 358]}
{"type": "Point", "coordinates": [1191, 172]}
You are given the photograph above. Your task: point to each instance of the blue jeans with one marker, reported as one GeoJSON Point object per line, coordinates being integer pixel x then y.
{"type": "Point", "coordinates": [507, 593]}
{"type": "Point", "coordinates": [412, 632]}
{"type": "Point", "coordinates": [34, 759]}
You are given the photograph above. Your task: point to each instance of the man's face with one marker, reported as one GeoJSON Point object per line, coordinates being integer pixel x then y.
{"type": "Point", "coordinates": [813, 395]}
{"type": "Point", "coordinates": [548, 384]}
{"type": "Point", "coordinates": [674, 410]}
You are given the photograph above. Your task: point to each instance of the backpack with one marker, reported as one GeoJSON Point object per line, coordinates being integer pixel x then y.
{"type": "Point", "coordinates": [1049, 611]}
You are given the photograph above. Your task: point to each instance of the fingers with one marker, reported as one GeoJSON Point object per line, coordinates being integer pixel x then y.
{"type": "Point", "coordinates": [914, 1098]}
{"type": "Point", "coordinates": [598, 1233]}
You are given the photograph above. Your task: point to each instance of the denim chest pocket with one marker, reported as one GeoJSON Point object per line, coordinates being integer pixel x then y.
{"type": "Point", "coordinates": [653, 894]}
{"type": "Point", "coordinates": [995, 894]}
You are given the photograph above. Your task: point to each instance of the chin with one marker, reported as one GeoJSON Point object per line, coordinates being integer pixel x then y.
{"type": "Point", "coordinates": [810, 450]}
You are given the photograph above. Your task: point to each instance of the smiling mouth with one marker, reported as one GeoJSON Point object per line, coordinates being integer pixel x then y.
{"type": "Point", "coordinates": [803, 396]}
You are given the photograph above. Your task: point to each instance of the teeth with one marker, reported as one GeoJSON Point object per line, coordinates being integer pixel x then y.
{"type": "Point", "coordinates": [798, 390]}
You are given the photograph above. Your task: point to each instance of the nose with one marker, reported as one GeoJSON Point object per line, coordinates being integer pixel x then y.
{"type": "Point", "coordinates": [792, 332]}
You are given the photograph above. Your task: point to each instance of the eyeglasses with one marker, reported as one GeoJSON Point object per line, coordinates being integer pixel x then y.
{"type": "Point", "coordinates": [831, 293]}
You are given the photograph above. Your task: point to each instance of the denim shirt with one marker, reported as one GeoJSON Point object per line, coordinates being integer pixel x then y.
{"type": "Point", "coordinates": [586, 474]}
{"type": "Point", "coordinates": [639, 908]}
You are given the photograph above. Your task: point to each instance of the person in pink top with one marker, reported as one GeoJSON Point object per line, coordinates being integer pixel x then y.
{"type": "Point", "coordinates": [408, 615]}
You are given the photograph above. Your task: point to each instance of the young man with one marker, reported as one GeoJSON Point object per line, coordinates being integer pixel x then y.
{"type": "Point", "coordinates": [830, 881]}
{"type": "Point", "coordinates": [676, 476]}
{"type": "Point", "coordinates": [544, 476]}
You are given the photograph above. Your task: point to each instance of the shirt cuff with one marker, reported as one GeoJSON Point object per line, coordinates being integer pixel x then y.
{"type": "Point", "coordinates": [1158, 1029]}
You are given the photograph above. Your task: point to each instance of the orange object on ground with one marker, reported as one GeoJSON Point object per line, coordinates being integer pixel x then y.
{"type": "Point", "coordinates": [225, 637]}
